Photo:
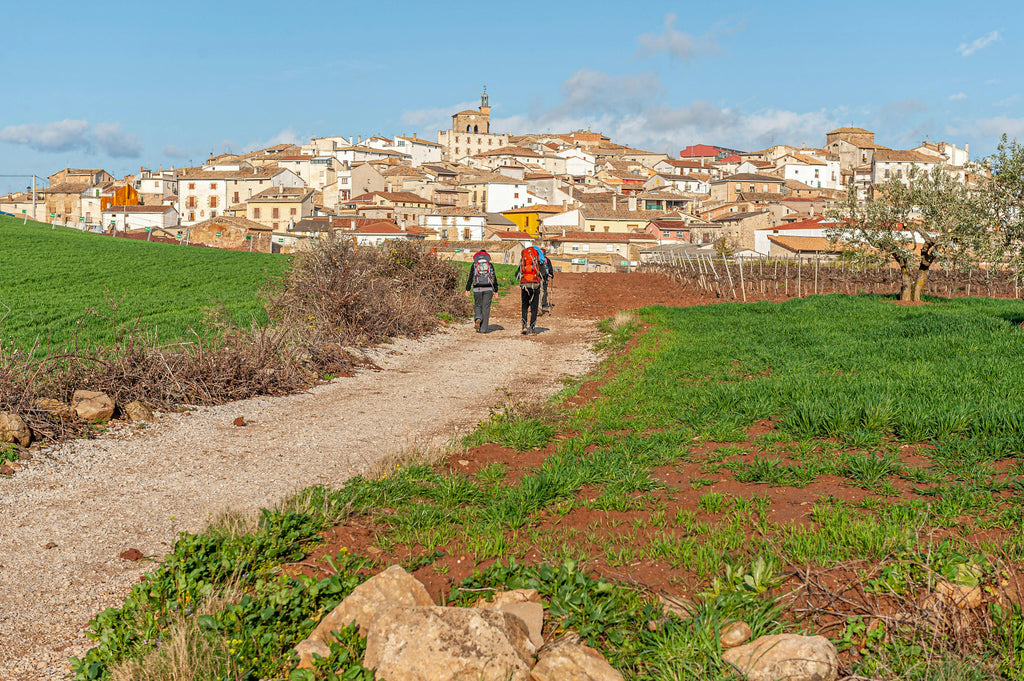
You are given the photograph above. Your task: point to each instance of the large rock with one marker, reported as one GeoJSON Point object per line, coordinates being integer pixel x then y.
{"type": "Point", "coordinates": [573, 662]}
{"type": "Point", "coordinates": [387, 589]}
{"type": "Point", "coordinates": [786, 656]}
{"type": "Point", "coordinates": [524, 604]}
{"type": "Point", "coordinates": [138, 411]}
{"type": "Point", "coordinates": [431, 643]}
{"type": "Point", "coordinates": [55, 407]}
{"type": "Point", "coordinates": [92, 406]}
{"type": "Point", "coordinates": [13, 429]}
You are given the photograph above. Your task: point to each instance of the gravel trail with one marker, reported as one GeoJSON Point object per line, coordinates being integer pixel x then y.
{"type": "Point", "coordinates": [65, 517]}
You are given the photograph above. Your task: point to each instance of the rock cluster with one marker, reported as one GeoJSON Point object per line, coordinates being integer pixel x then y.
{"type": "Point", "coordinates": [408, 638]}
{"type": "Point", "coordinates": [86, 405]}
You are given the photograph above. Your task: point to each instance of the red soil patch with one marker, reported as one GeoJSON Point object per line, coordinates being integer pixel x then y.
{"type": "Point", "coordinates": [595, 534]}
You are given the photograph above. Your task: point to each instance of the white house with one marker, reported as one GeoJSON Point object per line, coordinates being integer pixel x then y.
{"type": "Point", "coordinates": [377, 233]}
{"type": "Point", "coordinates": [497, 193]}
{"type": "Point", "coordinates": [893, 164]}
{"type": "Point", "coordinates": [134, 218]}
{"type": "Point", "coordinates": [578, 163]}
{"type": "Point", "coordinates": [569, 221]}
{"type": "Point", "coordinates": [814, 227]}
{"type": "Point", "coordinates": [456, 224]}
{"type": "Point", "coordinates": [419, 150]}
{"type": "Point", "coordinates": [810, 170]}
{"type": "Point", "coordinates": [205, 194]}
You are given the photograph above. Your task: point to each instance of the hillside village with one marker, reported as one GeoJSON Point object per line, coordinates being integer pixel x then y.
{"type": "Point", "coordinates": [597, 205]}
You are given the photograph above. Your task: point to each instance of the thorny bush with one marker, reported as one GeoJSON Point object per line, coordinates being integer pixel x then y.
{"type": "Point", "coordinates": [334, 299]}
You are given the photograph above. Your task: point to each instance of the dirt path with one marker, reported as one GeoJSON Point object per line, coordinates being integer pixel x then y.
{"type": "Point", "coordinates": [65, 518]}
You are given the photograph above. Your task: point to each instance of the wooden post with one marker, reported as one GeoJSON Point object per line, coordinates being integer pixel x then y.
{"type": "Point", "coordinates": [799, 266]}
{"type": "Point", "coordinates": [743, 286]}
{"type": "Point", "coordinates": [725, 264]}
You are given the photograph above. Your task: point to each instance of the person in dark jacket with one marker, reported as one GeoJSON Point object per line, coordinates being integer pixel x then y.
{"type": "Point", "coordinates": [547, 272]}
{"type": "Point", "coordinates": [484, 284]}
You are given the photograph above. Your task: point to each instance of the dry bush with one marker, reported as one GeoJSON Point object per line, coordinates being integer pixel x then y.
{"type": "Point", "coordinates": [334, 300]}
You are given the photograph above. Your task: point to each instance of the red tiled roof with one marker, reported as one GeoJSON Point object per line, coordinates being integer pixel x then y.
{"type": "Point", "coordinates": [382, 227]}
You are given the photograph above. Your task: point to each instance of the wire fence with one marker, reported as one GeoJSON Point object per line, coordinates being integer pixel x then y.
{"type": "Point", "coordinates": [759, 278]}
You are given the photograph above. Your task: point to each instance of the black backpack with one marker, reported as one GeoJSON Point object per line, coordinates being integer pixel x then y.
{"type": "Point", "coordinates": [482, 272]}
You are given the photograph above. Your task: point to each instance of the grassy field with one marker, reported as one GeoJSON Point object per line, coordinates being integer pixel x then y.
{"type": "Point", "coordinates": [740, 454]}
{"type": "Point", "coordinates": [51, 278]}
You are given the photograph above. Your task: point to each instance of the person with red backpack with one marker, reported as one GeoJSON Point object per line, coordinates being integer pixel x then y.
{"type": "Point", "coordinates": [484, 284]}
{"type": "Point", "coordinates": [529, 277]}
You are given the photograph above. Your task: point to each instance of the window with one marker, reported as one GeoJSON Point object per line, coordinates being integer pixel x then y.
{"type": "Point", "coordinates": [291, 211]}
{"type": "Point", "coordinates": [275, 225]}
{"type": "Point", "coordinates": [256, 213]}
{"type": "Point", "coordinates": [236, 198]}
{"type": "Point", "coordinates": [191, 185]}
{"type": "Point", "coordinates": [213, 202]}
{"type": "Point", "coordinates": [191, 202]}
{"type": "Point", "coordinates": [275, 212]}
{"type": "Point", "coordinates": [213, 185]}
{"type": "Point", "coordinates": [516, 196]}
{"type": "Point", "coordinates": [444, 233]}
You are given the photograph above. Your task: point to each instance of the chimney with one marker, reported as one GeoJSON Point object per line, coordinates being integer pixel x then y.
{"type": "Point", "coordinates": [967, 148]}
{"type": "Point", "coordinates": [812, 210]}
{"type": "Point", "coordinates": [632, 203]}
{"type": "Point", "coordinates": [614, 203]}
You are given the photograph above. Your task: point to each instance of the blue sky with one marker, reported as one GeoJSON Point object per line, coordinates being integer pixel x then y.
{"type": "Point", "coordinates": [162, 84]}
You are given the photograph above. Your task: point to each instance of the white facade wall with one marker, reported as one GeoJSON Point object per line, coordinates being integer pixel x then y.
{"type": "Point", "coordinates": [135, 221]}
{"type": "Point", "coordinates": [577, 162]}
{"type": "Point", "coordinates": [196, 195]}
{"type": "Point", "coordinates": [453, 227]}
{"type": "Point", "coordinates": [502, 196]}
{"type": "Point", "coordinates": [420, 151]}
{"type": "Point", "coordinates": [883, 171]}
{"type": "Point", "coordinates": [763, 246]}
{"type": "Point", "coordinates": [569, 221]}
{"type": "Point", "coordinates": [377, 239]}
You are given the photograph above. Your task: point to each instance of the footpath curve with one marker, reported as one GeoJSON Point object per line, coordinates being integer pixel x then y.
{"type": "Point", "coordinates": [66, 517]}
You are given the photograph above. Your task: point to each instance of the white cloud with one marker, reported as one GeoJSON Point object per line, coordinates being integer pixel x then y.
{"type": "Point", "coordinates": [57, 136]}
{"type": "Point", "coordinates": [68, 135]}
{"type": "Point", "coordinates": [439, 118]}
{"type": "Point", "coordinates": [115, 142]}
{"type": "Point", "coordinates": [628, 109]}
{"type": "Point", "coordinates": [996, 126]}
{"type": "Point", "coordinates": [967, 49]}
{"type": "Point", "coordinates": [958, 96]}
{"type": "Point", "coordinates": [174, 151]}
{"type": "Point", "coordinates": [679, 44]}
{"type": "Point", "coordinates": [286, 136]}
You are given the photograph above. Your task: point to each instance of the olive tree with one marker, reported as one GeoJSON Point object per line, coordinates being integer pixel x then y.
{"type": "Point", "coordinates": [913, 221]}
{"type": "Point", "coordinates": [1002, 194]}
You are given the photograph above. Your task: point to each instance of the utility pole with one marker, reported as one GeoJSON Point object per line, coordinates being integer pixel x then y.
{"type": "Point", "coordinates": [34, 197]}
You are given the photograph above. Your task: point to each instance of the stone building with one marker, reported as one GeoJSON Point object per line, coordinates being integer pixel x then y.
{"type": "Point", "coordinates": [470, 133]}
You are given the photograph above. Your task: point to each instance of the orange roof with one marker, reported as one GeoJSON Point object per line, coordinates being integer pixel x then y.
{"type": "Point", "coordinates": [382, 227]}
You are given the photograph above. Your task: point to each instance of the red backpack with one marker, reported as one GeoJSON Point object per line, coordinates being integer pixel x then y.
{"type": "Point", "coordinates": [529, 267]}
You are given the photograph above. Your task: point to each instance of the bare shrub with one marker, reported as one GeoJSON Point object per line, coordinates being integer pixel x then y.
{"type": "Point", "coordinates": [334, 300]}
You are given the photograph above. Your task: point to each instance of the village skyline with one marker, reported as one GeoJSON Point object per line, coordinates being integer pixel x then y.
{"type": "Point", "coordinates": [661, 77]}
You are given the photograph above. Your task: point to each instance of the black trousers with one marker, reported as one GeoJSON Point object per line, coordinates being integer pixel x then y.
{"type": "Point", "coordinates": [531, 301]}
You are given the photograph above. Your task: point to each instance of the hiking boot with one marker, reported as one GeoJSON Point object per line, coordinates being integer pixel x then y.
{"type": "Point", "coordinates": [533, 330]}
{"type": "Point", "coordinates": [478, 324]}
{"type": "Point", "coordinates": [525, 330]}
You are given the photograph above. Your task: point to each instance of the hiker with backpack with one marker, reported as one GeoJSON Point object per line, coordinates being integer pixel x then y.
{"type": "Point", "coordinates": [484, 284]}
{"type": "Point", "coordinates": [529, 277]}
{"type": "Point", "coordinates": [547, 273]}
